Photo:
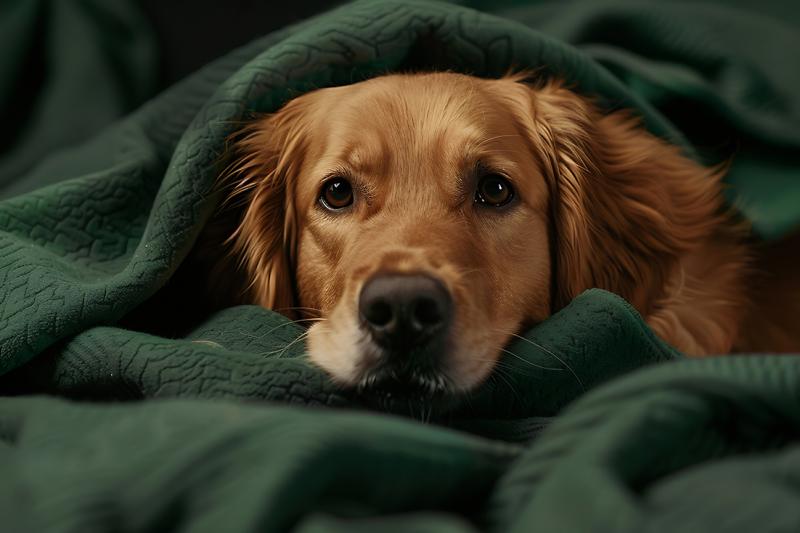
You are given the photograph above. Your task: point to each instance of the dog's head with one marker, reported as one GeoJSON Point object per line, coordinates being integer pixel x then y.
{"type": "Point", "coordinates": [427, 218]}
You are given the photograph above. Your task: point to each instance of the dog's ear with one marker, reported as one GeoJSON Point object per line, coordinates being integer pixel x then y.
{"type": "Point", "coordinates": [625, 205]}
{"type": "Point", "coordinates": [259, 187]}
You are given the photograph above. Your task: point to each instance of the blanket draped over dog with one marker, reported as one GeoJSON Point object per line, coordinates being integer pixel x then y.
{"type": "Point", "coordinates": [110, 424]}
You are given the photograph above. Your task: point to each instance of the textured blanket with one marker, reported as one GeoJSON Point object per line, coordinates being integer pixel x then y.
{"type": "Point", "coordinates": [113, 420]}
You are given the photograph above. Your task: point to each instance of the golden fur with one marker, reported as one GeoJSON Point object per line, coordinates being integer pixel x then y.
{"type": "Point", "coordinates": [602, 203]}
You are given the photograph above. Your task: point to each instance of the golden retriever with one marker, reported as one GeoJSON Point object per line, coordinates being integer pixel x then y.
{"type": "Point", "coordinates": [420, 220]}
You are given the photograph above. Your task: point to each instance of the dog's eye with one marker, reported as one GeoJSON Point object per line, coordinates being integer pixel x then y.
{"type": "Point", "coordinates": [336, 193]}
{"type": "Point", "coordinates": [494, 190]}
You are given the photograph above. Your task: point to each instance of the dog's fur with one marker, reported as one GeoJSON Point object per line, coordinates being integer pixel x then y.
{"type": "Point", "coordinates": [600, 202]}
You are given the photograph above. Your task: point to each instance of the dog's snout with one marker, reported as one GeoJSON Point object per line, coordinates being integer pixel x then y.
{"type": "Point", "coordinates": [405, 310]}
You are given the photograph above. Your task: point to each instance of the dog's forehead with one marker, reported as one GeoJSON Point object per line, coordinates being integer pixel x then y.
{"type": "Point", "coordinates": [401, 125]}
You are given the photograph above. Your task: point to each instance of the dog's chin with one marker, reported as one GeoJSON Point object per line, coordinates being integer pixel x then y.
{"type": "Point", "coordinates": [419, 390]}
{"type": "Point", "coordinates": [421, 393]}
{"type": "Point", "coordinates": [403, 383]}
{"type": "Point", "coordinates": [399, 380]}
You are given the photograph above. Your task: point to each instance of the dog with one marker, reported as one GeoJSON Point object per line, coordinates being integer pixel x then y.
{"type": "Point", "coordinates": [419, 221]}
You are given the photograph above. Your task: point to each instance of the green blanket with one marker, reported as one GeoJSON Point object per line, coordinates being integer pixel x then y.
{"type": "Point", "coordinates": [109, 424]}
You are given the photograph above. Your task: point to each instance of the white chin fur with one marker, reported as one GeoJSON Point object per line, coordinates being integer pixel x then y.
{"type": "Point", "coordinates": [334, 346]}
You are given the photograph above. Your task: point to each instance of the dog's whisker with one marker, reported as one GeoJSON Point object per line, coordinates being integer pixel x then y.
{"type": "Point", "coordinates": [553, 355]}
{"type": "Point", "coordinates": [281, 351]}
{"type": "Point", "coordinates": [499, 363]}
{"type": "Point", "coordinates": [507, 381]}
{"type": "Point", "coordinates": [250, 335]}
{"type": "Point", "coordinates": [300, 308]}
{"type": "Point", "coordinates": [530, 363]}
{"type": "Point", "coordinates": [301, 338]}
{"type": "Point", "coordinates": [265, 334]}
{"type": "Point", "coordinates": [295, 322]}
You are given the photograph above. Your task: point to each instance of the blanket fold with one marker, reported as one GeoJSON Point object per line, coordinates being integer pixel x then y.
{"type": "Point", "coordinates": [591, 423]}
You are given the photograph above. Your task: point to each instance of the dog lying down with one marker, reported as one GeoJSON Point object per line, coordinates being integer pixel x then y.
{"type": "Point", "coordinates": [420, 221]}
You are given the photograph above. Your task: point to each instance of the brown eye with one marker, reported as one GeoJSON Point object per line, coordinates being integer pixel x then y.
{"type": "Point", "coordinates": [494, 190]}
{"type": "Point", "coordinates": [336, 193]}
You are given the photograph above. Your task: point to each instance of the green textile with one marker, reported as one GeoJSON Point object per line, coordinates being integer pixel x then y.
{"type": "Point", "coordinates": [228, 428]}
{"type": "Point", "coordinates": [67, 69]}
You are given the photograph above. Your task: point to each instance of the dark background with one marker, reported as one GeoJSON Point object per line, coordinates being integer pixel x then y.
{"type": "Point", "coordinates": [216, 27]}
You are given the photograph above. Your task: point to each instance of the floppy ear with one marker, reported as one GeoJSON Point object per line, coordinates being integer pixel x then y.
{"type": "Point", "coordinates": [259, 187]}
{"type": "Point", "coordinates": [625, 204]}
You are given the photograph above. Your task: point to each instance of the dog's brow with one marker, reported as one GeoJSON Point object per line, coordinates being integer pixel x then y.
{"type": "Point", "coordinates": [465, 174]}
{"type": "Point", "coordinates": [362, 159]}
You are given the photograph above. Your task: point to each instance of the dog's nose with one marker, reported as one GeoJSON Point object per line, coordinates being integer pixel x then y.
{"type": "Point", "coordinates": [405, 310]}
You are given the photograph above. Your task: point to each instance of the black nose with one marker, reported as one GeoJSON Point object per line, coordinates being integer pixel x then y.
{"type": "Point", "coordinates": [403, 311]}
